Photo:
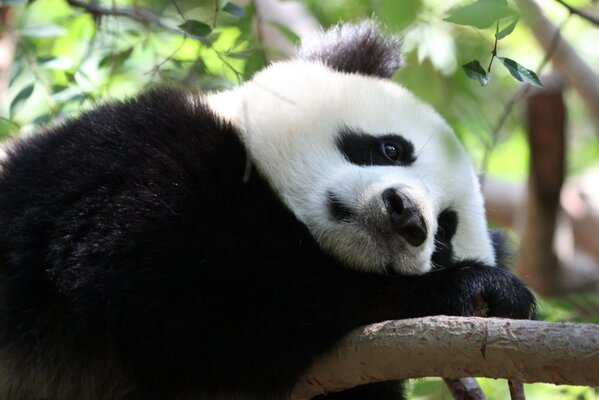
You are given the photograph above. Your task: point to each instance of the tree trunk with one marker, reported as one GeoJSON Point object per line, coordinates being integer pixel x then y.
{"type": "Point", "coordinates": [537, 262]}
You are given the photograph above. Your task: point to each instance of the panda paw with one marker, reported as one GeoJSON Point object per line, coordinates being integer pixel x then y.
{"type": "Point", "coordinates": [474, 289]}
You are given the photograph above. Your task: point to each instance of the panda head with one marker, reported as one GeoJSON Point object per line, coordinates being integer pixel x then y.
{"type": "Point", "coordinates": [377, 176]}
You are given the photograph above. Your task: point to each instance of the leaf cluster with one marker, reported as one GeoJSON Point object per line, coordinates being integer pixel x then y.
{"type": "Point", "coordinates": [68, 57]}
{"type": "Point", "coordinates": [483, 14]}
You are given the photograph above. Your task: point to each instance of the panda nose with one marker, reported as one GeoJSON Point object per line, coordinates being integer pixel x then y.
{"type": "Point", "coordinates": [406, 220]}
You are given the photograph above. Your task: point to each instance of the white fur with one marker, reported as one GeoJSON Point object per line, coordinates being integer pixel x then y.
{"type": "Point", "coordinates": [289, 116]}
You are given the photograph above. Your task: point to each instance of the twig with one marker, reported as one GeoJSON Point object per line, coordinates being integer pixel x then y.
{"type": "Point", "coordinates": [516, 390]}
{"type": "Point", "coordinates": [494, 52]}
{"type": "Point", "coordinates": [465, 389]}
{"type": "Point", "coordinates": [581, 13]}
{"type": "Point", "coordinates": [38, 78]}
{"type": "Point", "coordinates": [516, 97]}
{"type": "Point", "coordinates": [176, 4]}
{"type": "Point", "coordinates": [144, 17]}
{"type": "Point", "coordinates": [156, 68]}
{"type": "Point", "coordinates": [215, 17]}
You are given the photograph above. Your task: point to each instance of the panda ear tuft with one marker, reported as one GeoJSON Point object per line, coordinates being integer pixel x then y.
{"type": "Point", "coordinates": [356, 48]}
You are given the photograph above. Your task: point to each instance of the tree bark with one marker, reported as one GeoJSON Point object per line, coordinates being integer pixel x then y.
{"type": "Point", "coordinates": [457, 347]}
{"type": "Point", "coordinates": [546, 121]}
{"type": "Point", "coordinates": [465, 389]}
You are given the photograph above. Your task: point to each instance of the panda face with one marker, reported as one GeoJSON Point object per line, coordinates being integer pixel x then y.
{"type": "Point", "coordinates": [378, 177]}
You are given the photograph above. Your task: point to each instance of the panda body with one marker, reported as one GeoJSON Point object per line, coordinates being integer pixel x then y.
{"type": "Point", "coordinates": [138, 261]}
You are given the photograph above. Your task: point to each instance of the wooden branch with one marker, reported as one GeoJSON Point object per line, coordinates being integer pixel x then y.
{"type": "Point", "coordinates": [565, 59]}
{"type": "Point", "coordinates": [456, 347]}
{"type": "Point", "coordinates": [465, 389]}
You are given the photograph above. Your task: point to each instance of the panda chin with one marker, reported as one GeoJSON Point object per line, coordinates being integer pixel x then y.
{"type": "Point", "coordinates": [362, 248]}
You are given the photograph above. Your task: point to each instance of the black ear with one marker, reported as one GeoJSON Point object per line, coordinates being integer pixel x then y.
{"type": "Point", "coordinates": [359, 48]}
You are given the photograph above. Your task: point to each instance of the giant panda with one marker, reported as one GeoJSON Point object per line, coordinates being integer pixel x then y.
{"type": "Point", "coordinates": [179, 245]}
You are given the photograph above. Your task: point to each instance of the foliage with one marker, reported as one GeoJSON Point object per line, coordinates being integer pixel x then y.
{"type": "Point", "coordinates": [67, 60]}
{"type": "Point", "coordinates": [73, 60]}
{"type": "Point", "coordinates": [435, 389]}
{"type": "Point", "coordinates": [482, 14]}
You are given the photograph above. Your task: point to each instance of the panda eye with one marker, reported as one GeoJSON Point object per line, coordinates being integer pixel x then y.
{"type": "Point", "coordinates": [386, 150]}
{"type": "Point", "coordinates": [391, 151]}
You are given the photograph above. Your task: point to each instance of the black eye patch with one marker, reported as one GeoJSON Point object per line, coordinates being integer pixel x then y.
{"type": "Point", "coordinates": [361, 148]}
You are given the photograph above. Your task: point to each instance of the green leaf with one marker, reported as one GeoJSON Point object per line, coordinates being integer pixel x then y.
{"type": "Point", "coordinates": [520, 73]}
{"type": "Point", "coordinates": [234, 9]}
{"type": "Point", "coordinates": [115, 60]}
{"type": "Point", "coordinates": [508, 29]}
{"type": "Point", "coordinates": [285, 31]}
{"type": "Point", "coordinates": [196, 28]}
{"type": "Point", "coordinates": [58, 88]}
{"type": "Point", "coordinates": [59, 63]}
{"type": "Point", "coordinates": [480, 14]}
{"type": "Point", "coordinates": [210, 39]}
{"type": "Point", "coordinates": [43, 31]}
{"type": "Point", "coordinates": [133, 33]}
{"type": "Point", "coordinates": [241, 55]}
{"type": "Point", "coordinates": [70, 77]}
{"type": "Point", "coordinates": [42, 119]}
{"type": "Point", "coordinates": [8, 127]}
{"type": "Point", "coordinates": [476, 72]}
{"type": "Point", "coordinates": [20, 98]}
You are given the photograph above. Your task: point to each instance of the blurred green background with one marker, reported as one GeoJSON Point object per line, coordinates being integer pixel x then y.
{"type": "Point", "coordinates": [67, 59]}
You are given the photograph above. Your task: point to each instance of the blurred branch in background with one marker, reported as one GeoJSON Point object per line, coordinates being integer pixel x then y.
{"type": "Point", "coordinates": [7, 47]}
{"type": "Point", "coordinates": [566, 60]}
{"type": "Point", "coordinates": [145, 17]}
{"type": "Point", "coordinates": [274, 17]}
{"type": "Point", "coordinates": [581, 13]}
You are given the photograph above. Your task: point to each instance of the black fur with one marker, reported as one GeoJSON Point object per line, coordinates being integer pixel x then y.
{"type": "Point", "coordinates": [447, 226]}
{"type": "Point", "coordinates": [361, 148]}
{"type": "Point", "coordinates": [361, 48]}
{"type": "Point", "coordinates": [133, 254]}
{"type": "Point", "coordinates": [503, 247]}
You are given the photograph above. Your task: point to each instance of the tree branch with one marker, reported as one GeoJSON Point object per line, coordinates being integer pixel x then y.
{"type": "Point", "coordinates": [144, 17]}
{"type": "Point", "coordinates": [456, 347]}
{"type": "Point", "coordinates": [581, 13]}
{"type": "Point", "coordinates": [465, 389]}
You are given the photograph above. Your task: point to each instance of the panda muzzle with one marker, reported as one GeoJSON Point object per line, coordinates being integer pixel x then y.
{"type": "Point", "coordinates": [406, 219]}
